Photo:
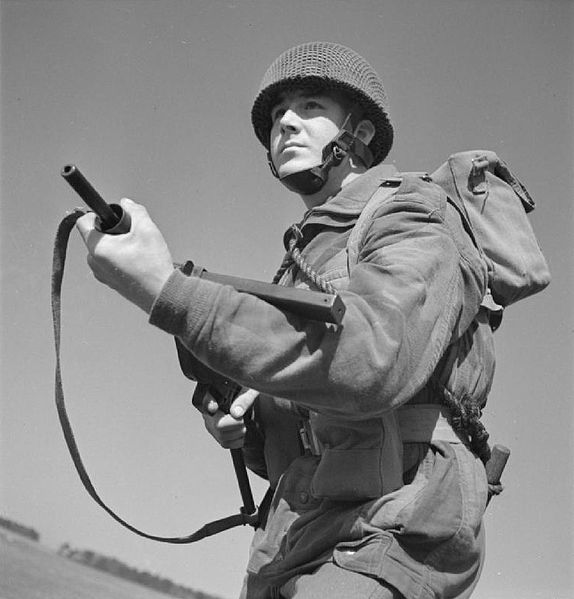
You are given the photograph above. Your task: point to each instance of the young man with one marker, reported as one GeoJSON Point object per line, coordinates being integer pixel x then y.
{"type": "Point", "coordinates": [375, 494]}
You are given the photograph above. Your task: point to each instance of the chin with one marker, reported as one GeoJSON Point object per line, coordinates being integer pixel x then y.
{"type": "Point", "coordinates": [294, 166]}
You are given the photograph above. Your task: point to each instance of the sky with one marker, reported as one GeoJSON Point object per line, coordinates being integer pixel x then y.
{"type": "Point", "coordinates": [151, 99]}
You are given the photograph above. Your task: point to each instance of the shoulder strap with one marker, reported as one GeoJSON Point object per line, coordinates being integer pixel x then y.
{"type": "Point", "coordinates": [387, 189]}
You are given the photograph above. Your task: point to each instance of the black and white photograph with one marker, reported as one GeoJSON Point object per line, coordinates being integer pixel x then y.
{"type": "Point", "coordinates": [287, 299]}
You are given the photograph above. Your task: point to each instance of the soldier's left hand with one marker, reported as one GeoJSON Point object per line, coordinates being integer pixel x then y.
{"type": "Point", "coordinates": [136, 264]}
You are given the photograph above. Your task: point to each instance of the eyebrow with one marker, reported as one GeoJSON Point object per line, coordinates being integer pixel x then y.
{"type": "Point", "coordinates": [305, 95]}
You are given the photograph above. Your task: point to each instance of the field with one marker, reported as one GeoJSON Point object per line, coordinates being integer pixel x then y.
{"type": "Point", "coordinates": [30, 571]}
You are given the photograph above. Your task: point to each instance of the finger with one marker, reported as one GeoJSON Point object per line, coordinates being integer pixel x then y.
{"type": "Point", "coordinates": [133, 208]}
{"type": "Point", "coordinates": [237, 444]}
{"type": "Point", "coordinates": [211, 406]}
{"type": "Point", "coordinates": [226, 422]}
{"type": "Point", "coordinates": [86, 224]}
{"type": "Point", "coordinates": [243, 402]}
{"type": "Point", "coordinates": [234, 444]}
{"type": "Point", "coordinates": [94, 266]}
{"type": "Point", "coordinates": [231, 437]}
{"type": "Point", "coordinates": [88, 228]}
{"type": "Point", "coordinates": [227, 431]}
{"type": "Point", "coordinates": [99, 273]}
{"type": "Point", "coordinates": [222, 422]}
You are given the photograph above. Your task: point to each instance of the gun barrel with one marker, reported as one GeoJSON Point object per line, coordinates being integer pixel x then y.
{"type": "Point", "coordinates": [93, 199]}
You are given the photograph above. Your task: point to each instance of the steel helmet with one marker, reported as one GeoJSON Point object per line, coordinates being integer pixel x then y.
{"type": "Point", "coordinates": [328, 66]}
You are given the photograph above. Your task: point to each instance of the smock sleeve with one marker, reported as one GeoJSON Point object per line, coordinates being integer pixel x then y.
{"type": "Point", "coordinates": [417, 286]}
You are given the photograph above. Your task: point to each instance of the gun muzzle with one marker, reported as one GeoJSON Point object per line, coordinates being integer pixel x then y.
{"type": "Point", "coordinates": [112, 218]}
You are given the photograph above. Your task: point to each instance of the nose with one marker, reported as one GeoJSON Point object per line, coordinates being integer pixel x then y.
{"type": "Point", "coordinates": [289, 121]}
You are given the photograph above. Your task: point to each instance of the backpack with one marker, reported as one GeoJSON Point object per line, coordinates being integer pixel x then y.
{"type": "Point", "coordinates": [493, 205]}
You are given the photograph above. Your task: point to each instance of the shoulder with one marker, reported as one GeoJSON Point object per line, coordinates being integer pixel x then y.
{"type": "Point", "coordinates": [417, 209]}
{"type": "Point", "coordinates": [413, 194]}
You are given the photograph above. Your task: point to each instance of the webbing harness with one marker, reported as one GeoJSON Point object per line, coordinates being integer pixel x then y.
{"type": "Point", "coordinates": [58, 262]}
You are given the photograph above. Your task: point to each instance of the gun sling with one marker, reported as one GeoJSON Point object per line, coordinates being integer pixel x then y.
{"type": "Point", "coordinates": [59, 258]}
{"type": "Point", "coordinates": [321, 306]}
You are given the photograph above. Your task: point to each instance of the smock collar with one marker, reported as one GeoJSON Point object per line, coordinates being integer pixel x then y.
{"type": "Point", "coordinates": [349, 202]}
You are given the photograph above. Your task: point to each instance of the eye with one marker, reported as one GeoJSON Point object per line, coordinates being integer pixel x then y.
{"type": "Point", "coordinates": [277, 113]}
{"type": "Point", "coordinates": [313, 105]}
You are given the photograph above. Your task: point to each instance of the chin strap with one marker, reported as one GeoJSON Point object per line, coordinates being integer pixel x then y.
{"type": "Point", "coordinates": [312, 180]}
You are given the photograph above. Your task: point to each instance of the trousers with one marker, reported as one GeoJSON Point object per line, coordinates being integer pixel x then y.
{"type": "Point", "coordinates": [328, 581]}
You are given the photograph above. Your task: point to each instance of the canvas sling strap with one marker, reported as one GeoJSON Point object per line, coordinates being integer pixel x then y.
{"type": "Point", "coordinates": [58, 262]}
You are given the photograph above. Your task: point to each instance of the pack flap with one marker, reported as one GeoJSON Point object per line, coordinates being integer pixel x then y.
{"type": "Point", "coordinates": [495, 204]}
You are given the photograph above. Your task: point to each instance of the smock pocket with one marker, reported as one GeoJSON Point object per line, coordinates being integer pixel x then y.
{"type": "Point", "coordinates": [379, 556]}
{"type": "Point", "coordinates": [365, 555]}
{"type": "Point", "coordinates": [353, 474]}
{"type": "Point", "coordinates": [426, 539]}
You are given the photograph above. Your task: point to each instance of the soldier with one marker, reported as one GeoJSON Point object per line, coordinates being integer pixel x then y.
{"type": "Point", "coordinates": [375, 494]}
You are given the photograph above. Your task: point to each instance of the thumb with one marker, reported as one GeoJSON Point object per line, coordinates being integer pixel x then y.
{"type": "Point", "coordinates": [86, 224]}
{"type": "Point", "coordinates": [243, 402]}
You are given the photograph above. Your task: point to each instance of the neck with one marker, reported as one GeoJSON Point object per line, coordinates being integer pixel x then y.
{"type": "Point", "coordinates": [338, 178]}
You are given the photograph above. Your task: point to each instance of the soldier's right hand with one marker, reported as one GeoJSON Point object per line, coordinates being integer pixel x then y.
{"type": "Point", "coordinates": [226, 429]}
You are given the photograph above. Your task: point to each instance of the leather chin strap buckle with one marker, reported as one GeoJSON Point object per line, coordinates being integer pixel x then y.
{"type": "Point", "coordinates": [344, 143]}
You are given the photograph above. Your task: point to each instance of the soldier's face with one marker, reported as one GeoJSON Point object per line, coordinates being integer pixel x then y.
{"type": "Point", "coordinates": [302, 125]}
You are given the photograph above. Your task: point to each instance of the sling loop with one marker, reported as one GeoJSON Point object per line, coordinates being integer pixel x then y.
{"type": "Point", "coordinates": [292, 239]}
{"type": "Point", "coordinates": [58, 262]}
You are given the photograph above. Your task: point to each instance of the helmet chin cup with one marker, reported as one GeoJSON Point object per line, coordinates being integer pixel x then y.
{"type": "Point", "coordinates": [306, 182]}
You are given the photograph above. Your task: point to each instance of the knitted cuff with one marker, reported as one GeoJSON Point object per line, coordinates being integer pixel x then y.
{"type": "Point", "coordinates": [183, 304]}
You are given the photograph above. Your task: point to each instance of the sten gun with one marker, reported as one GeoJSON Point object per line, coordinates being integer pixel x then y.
{"type": "Point", "coordinates": [313, 305]}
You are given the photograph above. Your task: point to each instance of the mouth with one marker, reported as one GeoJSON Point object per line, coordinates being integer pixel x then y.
{"type": "Point", "coordinates": [291, 145]}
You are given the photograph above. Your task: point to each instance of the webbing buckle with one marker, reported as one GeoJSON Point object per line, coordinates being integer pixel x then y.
{"type": "Point", "coordinates": [309, 441]}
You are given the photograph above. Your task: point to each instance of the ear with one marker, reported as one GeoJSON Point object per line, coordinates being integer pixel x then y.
{"type": "Point", "coordinates": [365, 131]}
